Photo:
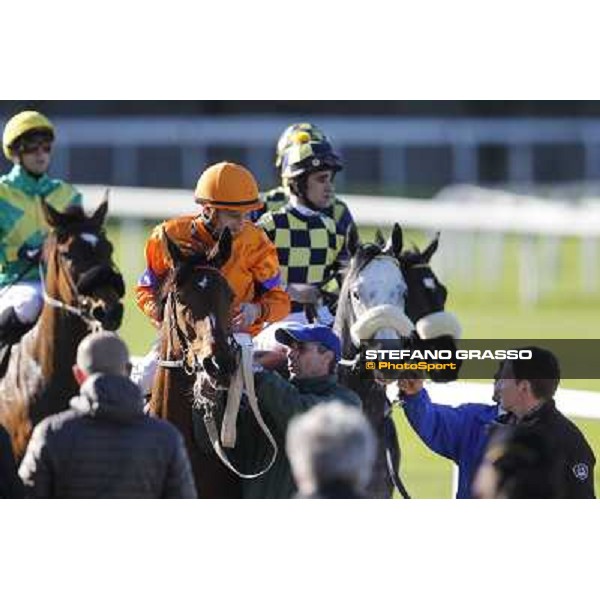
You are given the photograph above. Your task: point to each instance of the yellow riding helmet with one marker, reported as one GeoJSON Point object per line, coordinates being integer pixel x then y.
{"type": "Point", "coordinates": [228, 186]}
{"type": "Point", "coordinates": [287, 138]}
{"type": "Point", "coordinates": [20, 124]}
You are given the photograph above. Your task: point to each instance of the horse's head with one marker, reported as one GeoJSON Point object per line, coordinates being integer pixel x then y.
{"type": "Point", "coordinates": [425, 304]}
{"type": "Point", "coordinates": [197, 303]}
{"type": "Point", "coordinates": [80, 269]}
{"type": "Point", "coordinates": [426, 298]}
{"type": "Point", "coordinates": [372, 298]}
{"type": "Point", "coordinates": [426, 294]}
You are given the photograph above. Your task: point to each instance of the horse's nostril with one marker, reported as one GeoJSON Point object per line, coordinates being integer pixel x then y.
{"type": "Point", "coordinates": [113, 317]}
{"type": "Point", "coordinates": [98, 313]}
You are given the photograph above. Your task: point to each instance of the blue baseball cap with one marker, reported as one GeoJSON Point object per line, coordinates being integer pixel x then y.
{"type": "Point", "coordinates": [297, 332]}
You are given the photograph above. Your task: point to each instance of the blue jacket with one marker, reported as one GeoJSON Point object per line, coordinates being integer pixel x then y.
{"type": "Point", "coordinates": [458, 433]}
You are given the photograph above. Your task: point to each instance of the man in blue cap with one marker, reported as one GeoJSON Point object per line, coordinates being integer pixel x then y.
{"type": "Point", "coordinates": [313, 352]}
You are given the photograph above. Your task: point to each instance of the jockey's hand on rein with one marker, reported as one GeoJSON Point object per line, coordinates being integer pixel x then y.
{"type": "Point", "coordinates": [303, 293]}
{"type": "Point", "coordinates": [248, 315]}
{"type": "Point", "coordinates": [29, 253]}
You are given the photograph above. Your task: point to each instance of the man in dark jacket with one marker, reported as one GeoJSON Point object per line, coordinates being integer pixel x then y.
{"type": "Point", "coordinates": [519, 463]}
{"type": "Point", "coordinates": [10, 484]}
{"type": "Point", "coordinates": [313, 354]}
{"type": "Point", "coordinates": [527, 388]}
{"type": "Point", "coordinates": [104, 446]}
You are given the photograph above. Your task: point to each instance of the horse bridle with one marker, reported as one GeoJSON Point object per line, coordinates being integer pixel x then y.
{"type": "Point", "coordinates": [353, 365]}
{"type": "Point", "coordinates": [188, 362]}
{"type": "Point", "coordinates": [79, 309]}
{"type": "Point", "coordinates": [243, 374]}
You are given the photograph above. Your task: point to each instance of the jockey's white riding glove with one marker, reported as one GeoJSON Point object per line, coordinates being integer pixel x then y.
{"type": "Point", "coordinates": [303, 293]}
{"type": "Point", "coordinates": [249, 313]}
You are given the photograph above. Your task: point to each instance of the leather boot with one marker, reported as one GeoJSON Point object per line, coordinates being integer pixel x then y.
{"type": "Point", "coordinates": [11, 328]}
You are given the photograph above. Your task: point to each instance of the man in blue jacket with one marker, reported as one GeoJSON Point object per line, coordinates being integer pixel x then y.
{"type": "Point", "coordinates": [459, 433]}
{"type": "Point", "coordinates": [524, 391]}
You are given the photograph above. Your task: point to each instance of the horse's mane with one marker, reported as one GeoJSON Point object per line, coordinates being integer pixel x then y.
{"type": "Point", "coordinates": [179, 273]}
{"type": "Point", "coordinates": [166, 285]}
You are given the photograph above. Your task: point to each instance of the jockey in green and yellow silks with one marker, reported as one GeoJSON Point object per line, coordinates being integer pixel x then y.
{"type": "Point", "coordinates": [27, 142]}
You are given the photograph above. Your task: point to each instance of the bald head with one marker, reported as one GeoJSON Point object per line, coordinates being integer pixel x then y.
{"type": "Point", "coordinates": [103, 352]}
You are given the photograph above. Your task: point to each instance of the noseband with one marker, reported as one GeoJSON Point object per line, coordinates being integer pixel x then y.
{"type": "Point", "coordinates": [352, 364]}
{"type": "Point", "coordinates": [79, 309]}
{"type": "Point", "coordinates": [188, 362]}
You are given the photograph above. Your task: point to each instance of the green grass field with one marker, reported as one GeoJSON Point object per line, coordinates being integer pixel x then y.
{"type": "Point", "coordinates": [484, 311]}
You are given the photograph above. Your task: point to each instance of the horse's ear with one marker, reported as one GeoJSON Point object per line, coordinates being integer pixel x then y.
{"type": "Point", "coordinates": [430, 250]}
{"type": "Point", "coordinates": [97, 219]}
{"type": "Point", "coordinates": [352, 241]}
{"type": "Point", "coordinates": [54, 218]}
{"type": "Point", "coordinates": [220, 254]}
{"type": "Point", "coordinates": [173, 249]}
{"type": "Point", "coordinates": [394, 245]}
{"type": "Point", "coordinates": [379, 239]}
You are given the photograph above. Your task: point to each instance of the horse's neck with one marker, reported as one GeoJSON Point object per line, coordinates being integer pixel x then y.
{"type": "Point", "coordinates": [58, 335]}
{"type": "Point", "coordinates": [172, 395]}
{"type": "Point", "coordinates": [172, 388]}
{"type": "Point", "coordinates": [342, 327]}
{"type": "Point", "coordinates": [54, 343]}
{"type": "Point", "coordinates": [372, 395]}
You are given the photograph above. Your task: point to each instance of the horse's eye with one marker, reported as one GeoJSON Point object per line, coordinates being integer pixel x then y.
{"type": "Point", "coordinates": [355, 295]}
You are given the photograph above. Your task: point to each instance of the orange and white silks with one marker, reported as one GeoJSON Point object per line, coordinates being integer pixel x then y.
{"type": "Point", "coordinates": [252, 270]}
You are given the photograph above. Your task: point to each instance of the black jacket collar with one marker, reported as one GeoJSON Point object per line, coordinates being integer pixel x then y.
{"type": "Point", "coordinates": [541, 413]}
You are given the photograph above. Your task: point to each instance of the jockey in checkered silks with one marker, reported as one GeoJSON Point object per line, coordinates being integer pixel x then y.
{"type": "Point", "coordinates": [309, 244]}
{"type": "Point", "coordinates": [27, 142]}
{"type": "Point", "coordinates": [279, 196]}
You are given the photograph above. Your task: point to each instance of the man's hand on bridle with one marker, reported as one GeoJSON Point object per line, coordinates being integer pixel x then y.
{"type": "Point", "coordinates": [411, 385]}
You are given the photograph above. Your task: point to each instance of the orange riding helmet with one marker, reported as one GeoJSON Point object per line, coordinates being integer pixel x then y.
{"type": "Point", "coordinates": [228, 186]}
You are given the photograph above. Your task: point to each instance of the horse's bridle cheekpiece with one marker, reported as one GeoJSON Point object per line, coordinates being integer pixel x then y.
{"type": "Point", "coordinates": [242, 381]}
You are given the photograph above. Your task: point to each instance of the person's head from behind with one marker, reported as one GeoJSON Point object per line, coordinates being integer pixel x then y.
{"type": "Point", "coordinates": [227, 192]}
{"type": "Point", "coordinates": [331, 445]}
{"type": "Point", "coordinates": [519, 463]}
{"type": "Point", "coordinates": [312, 350]}
{"type": "Point", "coordinates": [27, 141]}
{"type": "Point", "coordinates": [101, 353]}
{"type": "Point", "coordinates": [525, 383]}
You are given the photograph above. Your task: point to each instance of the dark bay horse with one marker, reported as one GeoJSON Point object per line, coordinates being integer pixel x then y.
{"type": "Point", "coordinates": [197, 352]}
{"type": "Point", "coordinates": [384, 292]}
{"type": "Point", "coordinates": [435, 327]}
{"type": "Point", "coordinates": [83, 291]}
